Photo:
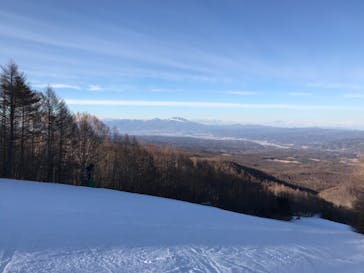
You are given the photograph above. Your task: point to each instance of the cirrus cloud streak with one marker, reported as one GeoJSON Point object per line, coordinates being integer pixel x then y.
{"type": "Point", "coordinates": [207, 104]}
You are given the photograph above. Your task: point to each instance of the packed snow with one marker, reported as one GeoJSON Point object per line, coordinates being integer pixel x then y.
{"type": "Point", "coordinates": [58, 228]}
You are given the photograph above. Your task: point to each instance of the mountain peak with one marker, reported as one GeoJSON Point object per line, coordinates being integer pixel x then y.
{"type": "Point", "coordinates": [179, 119]}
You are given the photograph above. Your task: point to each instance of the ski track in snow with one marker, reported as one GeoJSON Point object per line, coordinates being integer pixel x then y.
{"type": "Point", "coordinates": [57, 228]}
{"type": "Point", "coordinates": [182, 259]}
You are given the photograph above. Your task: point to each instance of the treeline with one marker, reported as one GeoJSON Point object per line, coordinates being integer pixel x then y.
{"type": "Point", "coordinates": [40, 139]}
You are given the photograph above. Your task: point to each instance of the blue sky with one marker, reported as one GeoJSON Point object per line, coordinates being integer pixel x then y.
{"type": "Point", "coordinates": [296, 63]}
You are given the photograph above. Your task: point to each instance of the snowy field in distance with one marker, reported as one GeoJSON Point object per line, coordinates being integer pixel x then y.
{"type": "Point", "coordinates": [59, 228]}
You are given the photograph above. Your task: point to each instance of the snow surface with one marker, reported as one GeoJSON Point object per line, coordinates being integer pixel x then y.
{"type": "Point", "coordinates": [58, 228]}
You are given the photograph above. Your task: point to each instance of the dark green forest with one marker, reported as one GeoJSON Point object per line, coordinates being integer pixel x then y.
{"type": "Point", "coordinates": [42, 140]}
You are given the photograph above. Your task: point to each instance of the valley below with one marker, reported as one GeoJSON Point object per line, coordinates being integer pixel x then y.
{"type": "Point", "coordinates": [327, 161]}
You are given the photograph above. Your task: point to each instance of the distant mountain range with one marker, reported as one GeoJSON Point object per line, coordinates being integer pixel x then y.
{"type": "Point", "coordinates": [268, 136]}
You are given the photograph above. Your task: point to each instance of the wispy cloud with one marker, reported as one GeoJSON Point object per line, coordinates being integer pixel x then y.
{"type": "Point", "coordinates": [94, 87]}
{"type": "Point", "coordinates": [243, 93]}
{"type": "Point", "coordinates": [58, 86]}
{"type": "Point", "coordinates": [65, 86]}
{"type": "Point", "coordinates": [157, 52]}
{"type": "Point", "coordinates": [299, 94]}
{"type": "Point", "coordinates": [336, 85]}
{"type": "Point", "coordinates": [354, 96]}
{"type": "Point", "coordinates": [160, 56]}
{"type": "Point", "coordinates": [206, 104]}
{"type": "Point", "coordinates": [91, 87]}
{"type": "Point", "coordinates": [163, 90]}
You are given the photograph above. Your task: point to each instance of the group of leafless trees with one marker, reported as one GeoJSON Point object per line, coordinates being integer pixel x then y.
{"type": "Point", "coordinates": [40, 139]}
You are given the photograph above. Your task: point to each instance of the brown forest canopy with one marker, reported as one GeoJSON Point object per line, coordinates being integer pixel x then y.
{"type": "Point", "coordinates": [40, 139]}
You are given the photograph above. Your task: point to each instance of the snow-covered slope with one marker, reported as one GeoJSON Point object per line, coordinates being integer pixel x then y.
{"type": "Point", "coordinates": [59, 228]}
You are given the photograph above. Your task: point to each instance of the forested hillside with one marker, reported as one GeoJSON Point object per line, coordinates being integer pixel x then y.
{"type": "Point", "coordinates": [40, 139]}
